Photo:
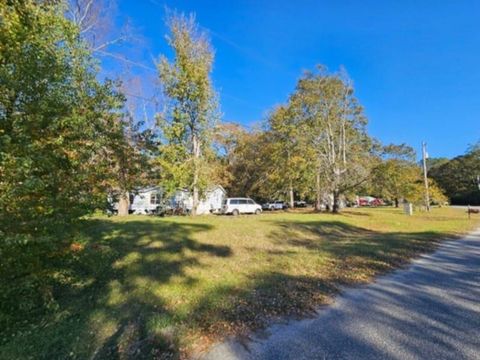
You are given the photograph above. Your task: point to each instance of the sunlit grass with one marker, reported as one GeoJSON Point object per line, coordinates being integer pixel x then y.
{"type": "Point", "coordinates": [139, 286]}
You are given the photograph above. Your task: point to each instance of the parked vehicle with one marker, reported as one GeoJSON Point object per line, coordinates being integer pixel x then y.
{"type": "Point", "coordinates": [275, 205]}
{"type": "Point", "coordinates": [363, 202]}
{"type": "Point", "coordinates": [237, 206]}
{"type": "Point", "coordinates": [300, 203]}
{"type": "Point", "coordinates": [377, 202]}
{"type": "Point", "coordinates": [370, 201]}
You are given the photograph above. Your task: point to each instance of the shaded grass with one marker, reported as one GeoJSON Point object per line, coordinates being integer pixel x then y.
{"type": "Point", "coordinates": [142, 287]}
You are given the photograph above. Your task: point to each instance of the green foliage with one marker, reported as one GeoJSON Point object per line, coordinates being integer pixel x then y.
{"type": "Point", "coordinates": [334, 126]}
{"type": "Point", "coordinates": [191, 114]}
{"type": "Point", "coordinates": [248, 163]}
{"type": "Point", "coordinates": [436, 194]}
{"type": "Point", "coordinates": [433, 163]}
{"type": "Point", "coordinates": [131, 151]}
{"type": "Point", "coordinates": [289, 167]}
{"type": "Point", "coordinates": [56, 121]}
{"type": "Point", "coordinates": [458, 177]}
{"type": "Point", "coordinates": [58, 129]}
{"type": "Point", "coordinates": [396, 175]}
{"type": "Point", "coordinates": [314, 145]}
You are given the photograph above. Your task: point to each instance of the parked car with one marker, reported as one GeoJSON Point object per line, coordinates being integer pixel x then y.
{"type": "Point", "coordinates": [377, 202]}
{"type": "Point", "coordinates": [275, 205]}
{"type": "Point", "coordinates": [370, 201]}
{"type": "Point", "coordinates": [363, 202]}
{"type": "Point", "coordinates": [237, 206]}
{"type": "Point", "coordinates": [300, 204]}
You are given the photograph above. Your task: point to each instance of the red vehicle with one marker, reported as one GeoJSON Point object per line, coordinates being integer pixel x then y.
{"type": "Point", "coordinates": [369, 201]}
{"type": "Point", "coordinates": [363, 202]}
{"type": "Point", "coordinates": [376, 202]}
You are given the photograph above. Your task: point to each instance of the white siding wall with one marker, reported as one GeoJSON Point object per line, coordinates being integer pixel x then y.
{"type": "Point", "coordinates": [211, 202]}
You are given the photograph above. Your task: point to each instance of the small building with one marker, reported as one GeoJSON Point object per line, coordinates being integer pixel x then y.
{"type": "Point", "coordinates": [144, 200]}
{"type": "Point", "coordinates": [147, 200]}
{"type": "Point", "coordinates": [210, 202]}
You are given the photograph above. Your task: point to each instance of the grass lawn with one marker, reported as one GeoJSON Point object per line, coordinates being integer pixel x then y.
{"type": "Point", "coordinates": [144, 287]}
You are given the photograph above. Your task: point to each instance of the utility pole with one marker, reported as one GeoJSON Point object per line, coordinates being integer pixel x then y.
{"type": "Point", "coordinates": [425, 178]}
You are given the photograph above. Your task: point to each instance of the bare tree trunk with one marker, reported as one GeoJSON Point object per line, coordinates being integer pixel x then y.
{"type": "Point", "coordinates": [396, 202]}
{"type": "Point", "coordinates": [292, 202]}
{"type": "Point", "coordinates": [318, 202]}
{"type": "Point", "coordinates": [195, 201]}
{"type": "Point", "coordinates": [123, 203]}
{"type": "Point", "coordinates": [196, 156]}
{"type": "Point", "coordinates": [336, 202]}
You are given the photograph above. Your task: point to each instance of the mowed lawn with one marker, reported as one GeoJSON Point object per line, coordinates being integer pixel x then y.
{"type": "Point", "coordinates": [146, 287]}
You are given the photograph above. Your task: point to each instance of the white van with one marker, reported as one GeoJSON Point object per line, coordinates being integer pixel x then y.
{"type": "Point", "coordinates": [236, 206]}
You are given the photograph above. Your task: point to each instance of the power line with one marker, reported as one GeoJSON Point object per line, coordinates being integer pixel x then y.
{"type": "Point", "coordinates": [126, 60]}
{"type": "Point", "coordinates": [140, 97]}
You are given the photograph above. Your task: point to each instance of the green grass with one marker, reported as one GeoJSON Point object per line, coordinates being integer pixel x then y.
{"type": "Point", "coordinates": [144, 287]}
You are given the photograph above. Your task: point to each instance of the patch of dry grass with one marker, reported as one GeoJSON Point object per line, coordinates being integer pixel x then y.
{"type": "Point", "coordinates": [146, 287]}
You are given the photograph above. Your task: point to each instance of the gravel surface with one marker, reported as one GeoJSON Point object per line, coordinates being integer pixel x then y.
{"type": "Point", "coordinates": [430, 310]}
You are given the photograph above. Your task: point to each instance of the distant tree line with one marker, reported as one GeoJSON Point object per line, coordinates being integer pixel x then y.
{"type": "Point", "coordinates": [459, 177]}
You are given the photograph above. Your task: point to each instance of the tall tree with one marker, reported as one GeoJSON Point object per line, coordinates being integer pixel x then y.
{"type": "Point", "coordinates": [191, 112]}
{"type": "Point", "coordinates": [56, 120]}
{"type": "Point", "coordinates": [288, 161]}
{"type": "Point", "coordinates": [96, 21]}
{"type": "Point", "coordinates": [335, 128]}
{"type": "Point", "coordinates": [58, 125]}
{"type": "Point", "coordinates": [226, 140]}
{"type": "Point", "coordinates": [397, 174]}
{"type": "Point", "coordinates": [131, 153]}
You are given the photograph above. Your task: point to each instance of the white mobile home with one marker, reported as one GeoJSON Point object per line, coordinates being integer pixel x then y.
{"type": "Point", "coordinates": [210, 202]}
{"type": "Point", "coordinates": [145, 200]}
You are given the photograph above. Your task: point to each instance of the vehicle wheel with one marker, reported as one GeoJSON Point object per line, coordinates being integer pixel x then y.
{"type": "Point", "coordinates": [258, 212]}
{"type": "Point", "coordinates": [235, 212]}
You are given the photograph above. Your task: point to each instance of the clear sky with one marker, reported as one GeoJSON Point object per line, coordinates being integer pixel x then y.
{"type": "Point", "coordinates": [415, 64]}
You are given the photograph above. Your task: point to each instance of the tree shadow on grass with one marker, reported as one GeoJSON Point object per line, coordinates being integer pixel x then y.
{"type": "Point", "coordinates": [109, 291]}
{"type": "Point", "coordinates": [434, 301]}
{"type": "Point", "coordinates": [354, 255]}
{"type": "Point", "coordinates": [110, 306]}
{"type": "Point", "coordinates": [356, 249]}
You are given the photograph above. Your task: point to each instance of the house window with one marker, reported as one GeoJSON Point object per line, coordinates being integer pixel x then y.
{"type": "Point", "coordinates": [154, 199]}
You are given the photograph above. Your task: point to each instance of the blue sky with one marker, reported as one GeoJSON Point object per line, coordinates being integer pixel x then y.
{"type": "Point", "coordinates": [415, 64]}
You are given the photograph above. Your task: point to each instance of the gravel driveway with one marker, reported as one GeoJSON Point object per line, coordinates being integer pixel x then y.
{"type": "Point", "coordinates": [430, 310]}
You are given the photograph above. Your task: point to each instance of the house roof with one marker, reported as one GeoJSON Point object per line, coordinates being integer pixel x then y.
{"type": "Point", "coordinates": [215, 187]}
{"type": "Point", "coordinates": [159, 188]}
{"type": "Point", "coordinates": [209, 189]}
{"type": "Point", "coordinates": [148, 189]}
